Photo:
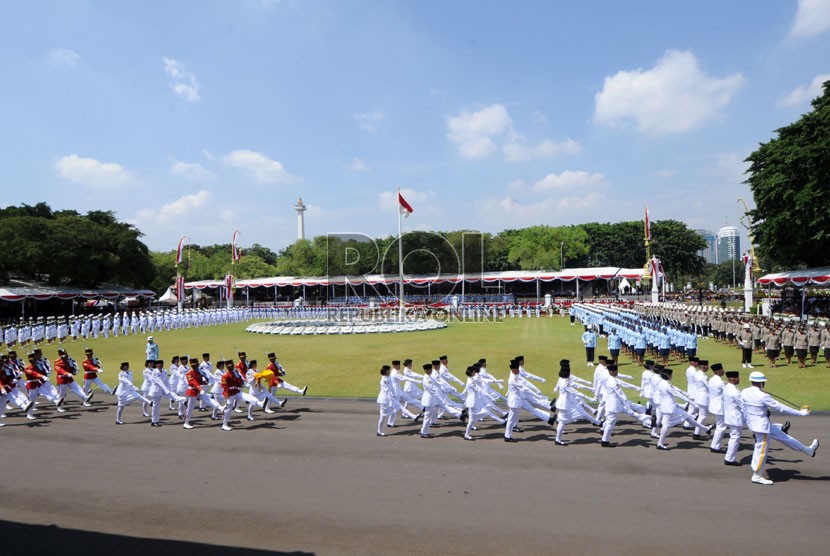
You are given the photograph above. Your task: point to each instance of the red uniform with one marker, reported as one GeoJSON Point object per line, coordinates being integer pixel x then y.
{"type": "Point", "coordinates": [232, 383]}
{"type": "Point", "coordinates": [195, 381]}
{"type": "Point", "coordinates": [64, 371]}
{"type": "Point", "coordinates": [90, 369]}
{"type": "Point", "coordinates": [33, 378]}
{"type": "Point", "coordinates": [275, 380]}
{"type": "Point", "coordinates": [242, 367]}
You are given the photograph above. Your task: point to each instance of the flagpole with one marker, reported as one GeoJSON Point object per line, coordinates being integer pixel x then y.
{"type": "Point", "coordinates": [401, 305]}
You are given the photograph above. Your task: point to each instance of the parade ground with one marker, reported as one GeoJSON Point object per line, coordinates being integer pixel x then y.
{"type": "Point", "coordinates": [314, 479]}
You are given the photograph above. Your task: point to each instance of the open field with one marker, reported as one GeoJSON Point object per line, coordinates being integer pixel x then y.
{"type": "Point", "coordinates": [347, 366]}
{"type": "Point", "coordinates": [314, 479]}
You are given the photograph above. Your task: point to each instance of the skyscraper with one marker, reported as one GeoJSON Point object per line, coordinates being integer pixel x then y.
{"type": "Point", "coordinates": [709, 254]}
{"type": "Point", "coordinates": [728, 244]}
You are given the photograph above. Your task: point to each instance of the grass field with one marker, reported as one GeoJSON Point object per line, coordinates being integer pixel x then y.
{"type": "Point", "coordinates": [347, 366]}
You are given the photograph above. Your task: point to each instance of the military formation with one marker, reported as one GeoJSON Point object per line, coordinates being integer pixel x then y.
{"type": "Point", "coordinates": [188, 385]}
{"type": "Point", "coordinates": [712, 409]}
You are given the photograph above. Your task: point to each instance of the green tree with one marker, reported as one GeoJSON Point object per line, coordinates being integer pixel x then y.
{"type": "Point", "coordinates": [677, 246]}
{"type": "Point", "coordinates": [790, 180]}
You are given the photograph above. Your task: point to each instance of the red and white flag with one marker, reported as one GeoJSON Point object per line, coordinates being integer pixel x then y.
{"type": "Point", "coordinates": [229, 284]}
{"type": "Point", "coordinates": [180, 250]}
{"type": "Point", "coordinates": [648, 226]}
{"type": "Point", "coordinates": [235, 253]}
{"type": "Point", "coordinates": [406, 208]}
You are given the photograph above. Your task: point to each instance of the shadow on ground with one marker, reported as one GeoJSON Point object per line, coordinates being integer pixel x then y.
{"type": "Point", "coordinates": [21, 539]}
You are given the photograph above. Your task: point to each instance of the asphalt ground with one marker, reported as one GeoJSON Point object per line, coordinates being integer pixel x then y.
{"type": "Point", "coordinates": [314, 479]}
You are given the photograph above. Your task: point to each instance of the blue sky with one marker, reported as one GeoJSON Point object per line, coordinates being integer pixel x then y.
{"type": "Point", "coordinates": [201, 118]}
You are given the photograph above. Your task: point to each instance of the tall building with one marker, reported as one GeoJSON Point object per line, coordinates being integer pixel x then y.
{"type": "Point", "coordinates": [300, 208]}
{"type": "Point", "coordinates": [728, 244]}
{"type": "Point", "coordinates": [710, 253]}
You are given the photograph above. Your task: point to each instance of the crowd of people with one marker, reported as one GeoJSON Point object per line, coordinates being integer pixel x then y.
{"type": "Point", "coordinates": [187, 384]}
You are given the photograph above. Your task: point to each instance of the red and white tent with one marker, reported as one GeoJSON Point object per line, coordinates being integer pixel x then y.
{"type": "Point", "coordinates": [808, 277]}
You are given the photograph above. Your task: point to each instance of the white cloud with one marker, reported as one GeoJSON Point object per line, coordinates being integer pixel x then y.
{"type": "Point", "coordinates": [811, 19]}
{"type": "Point", "coordinates": [516, 151]}
{"type": "Point", "coordinates": [185, 206]}
{"type": "Point", "coordinates": [207, 154]}
{"type": "Point", "coordinates": [259, 167]}
{"type": "Point", "coordinates": [731, 167]}
{"type": "Point", "coordinates": [91, 172]}
{"type": "Point", "coordinates": [569, 180]}
{"type": "Point", "coordinates": [63, 57]}
{"type": "Point", "coordinates": [674, 96]}
{"type": "Point", "coordinates": [369, 122]}
{"type": "Point", "coordinates": [665, 173]}
{"type": "Point", "coordinates": [805, 93]}
{"type": "Point", "coordinates": [183, 82]}
{"type": "Point", "coordinates": [555, 211]}
{"type": "Point", "coordinates": [473, 131]}
{"type": "Point", "coordinates": [191, 171]}
{"type": "Point", "coordinates": [358, 165]}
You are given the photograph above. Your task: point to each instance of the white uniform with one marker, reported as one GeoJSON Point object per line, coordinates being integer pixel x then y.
{"type": "Point", "coordinates": [701, 398]}
{"type": "Point", "coordinates": [430, 401]}
{"type": "Point", "coordinates": [716, 386]}
{"type": "Point", "coordinates": [126, 394]}
{"type": "Point", "coordinates": [756, 403]}
{"type": "Point", "coordinates": [733, 409]}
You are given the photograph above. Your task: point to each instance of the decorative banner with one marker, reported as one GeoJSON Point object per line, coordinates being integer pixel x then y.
{"type": "Point", "coordinates": [229, 283]}
{"type": "Point", "coordinates": [648, 226]}
{"type": "Point", "coordinates": [747, 258]}
{"type": "Point", "coordinates": [180, 288]}
{"type": "Point", "coordinates": [406, 208]}
{"type": "Point", "coordinates": [180, 250]}
{"type": "Point", "coordinates": [235, 254]}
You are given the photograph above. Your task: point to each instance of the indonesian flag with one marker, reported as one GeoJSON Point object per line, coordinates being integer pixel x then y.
{"type": "Point", "coordinates": [747, 258]}
{"type": "Point", "coordinates": [406, 209]}
{"type": "Point", "coordinates": [648, 226]}
{"type": "Point", "coordinates": [180, 250]}
{"type": "Point", "coordinates": [235, 253]}
{"type": "Point", "coordinates": [229, 284]}
{"type": "Point", "coordinates": [180, 288]}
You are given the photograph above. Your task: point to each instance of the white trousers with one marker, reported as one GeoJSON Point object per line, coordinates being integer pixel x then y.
{"type": "Point", "coordinates": [512, 421]}
{"type": "Point", "coordinates": [720, 430]}
{"type": "Point", "coordinates": [98, 382]}
{"type": "Point", "coordinates": [429, 418]}
{"type": "Point", "coordinates": [759, 454]}
{"type": "Point", "coordinates": [71, 387]}
{"type": "Point", "coordinates": [734, 443]}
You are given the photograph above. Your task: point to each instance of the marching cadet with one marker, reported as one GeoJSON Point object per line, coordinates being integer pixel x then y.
{"type": "Point", "coordinates": [745, 341]}
{"type": "Point", "coordinates": [196, 381]}
{"type": "Point", "coordinates": [801, 347]}
{"type": "Point", "coordinates": [9, 389]}
{"type": "Point", "coordinates": [34, 380]}
{"type": "Point", "coordinates": [232, 383]}
{"type": "Point", "coordinates": [65, 369]}
{"type": "Point", "coordinates": [569, 403]}
{"type": "Point", "coordinates": [772, 343]}
{"type": "Point", "coordinates": [671, 413]}
{"type": "Point", "coordinates": [813, 342]}
{"type": "Point", "coordinates": [126, 392]}
{"type": "Point", "coordinates": [159, 387]}
{"type": "Point", "coordinates": [701, 397]}
{"type": "Point", "coordinates": [589, 340]}
{"type": "Point", "coordinates": [429, 400]}
{"type": "Point", "coordinates": [716, 387]}
{"type": "Point", "coordinates": [402, 398]}
{"type": "Point", "coordinates": [278, 381]}
{"type": "Point", "coordinates": [757, 404]}
{"type": "Point", "coordinates": [92, 366]}
{"type": "Point", "coordinates": [152, 349]}
{"type": "Point", "coordinates": [616, 403]}
{"type": "Point", "coordinates": [216, 386]}
{"type": "Point", "coordinates": [475, 401]}
{"type": "Point", "coordinates": [733, 410]}
{"type": "Point", "coordinates": [384, 400]}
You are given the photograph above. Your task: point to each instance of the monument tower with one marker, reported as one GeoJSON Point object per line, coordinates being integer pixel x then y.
{"type": "Point", "coordinates": [300, 208]}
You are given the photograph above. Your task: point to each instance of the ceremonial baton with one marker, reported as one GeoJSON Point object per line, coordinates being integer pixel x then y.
{"type": "Point", "coordinates": [785, 400]}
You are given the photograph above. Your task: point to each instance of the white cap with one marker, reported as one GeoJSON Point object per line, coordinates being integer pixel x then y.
{"type": "Point", "coordinates": [757, 376]}
{"type": "Point", "coordinates": [149, 338]}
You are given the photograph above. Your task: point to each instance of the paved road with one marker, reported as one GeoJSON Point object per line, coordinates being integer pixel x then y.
{"type": "Point", "coordinates": [315, 479]}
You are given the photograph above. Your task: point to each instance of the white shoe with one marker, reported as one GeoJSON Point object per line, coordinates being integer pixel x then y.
{"type": "Point", "coordinates": [743, 365]}
{"type": "Point", "coordinates": [811, 449]}
{"type": "Point", "coordinates": [748, 366]}
{"type": "Point", "coordinates": [187, 426]}
{"type": "Point", "coordinates": [759, 480]}
{"type": "Point", "coordinates": [269, 410]}
{"type": "Point", "coordinates": [30, 417]}
{"type": "Point", "coordinates": [61, 410]}
{"type": "Point", "coordinates": [87, 404]}
{"type": "Point", "coordinates": [2, 424]}
{"type": "Point", "coordinates": [119, 422]}
{"type": "Point", "coordinates": [237, 410]}
{"type": "Point", "coordinates": [226, 428]}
